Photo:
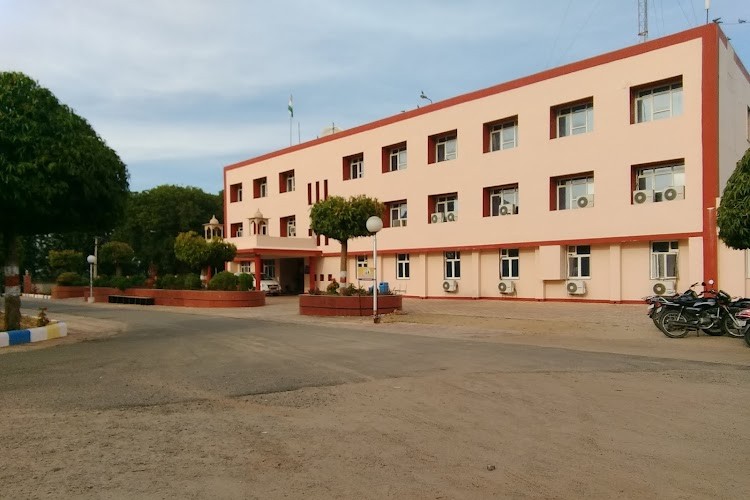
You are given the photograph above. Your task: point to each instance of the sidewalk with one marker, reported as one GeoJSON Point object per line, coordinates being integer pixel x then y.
{"type": "Point", "coordinates": [614, 328]}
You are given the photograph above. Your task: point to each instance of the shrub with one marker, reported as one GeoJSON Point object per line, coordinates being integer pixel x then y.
{"type": "Point", "coordinates": [166, 281]}
{"type": "Point", "coordinates": [315, 291]}
{"type": "Point", "coordinates": [103, 280]}
{"type": "Point", "coordinates": [70, 279]}
{"type": "Point", "coordinates": [191, 281]}
{"type": "Point", "coordinates": [120, 282]}
{"type": "Point", "coordinates": [245, 281]}
{"type": "Point", "coordinates": [350, 290]}
{"type": "Point", "coordinates": [223, 281]}
{"type": "Point", "coordinates": [41, 317]}
{"type": "Point", "coordinates": [333, 288]}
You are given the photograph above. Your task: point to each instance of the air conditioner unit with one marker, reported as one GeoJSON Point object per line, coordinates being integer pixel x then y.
{"type": "Point", "coordinates": [674, 193]}
{"type": "Point", "coordinates": [576, 287]}
{"type": "Point", "coordinates": [450, 285]}
{"type": "Point", "coordinates": [451, 216]}
{"type": "Point", "coordinates": [437, 217]}
{"type": "Point", "coordinates": [506, 286]}
{"type": "Point", "coordinates": [507, 209]}
{"type": "Point", "coordinates": [584, 201]}
{"type": "Point", "coordinates": [664, 287]}
{"type": "Point", "coordinates": [643, 196]}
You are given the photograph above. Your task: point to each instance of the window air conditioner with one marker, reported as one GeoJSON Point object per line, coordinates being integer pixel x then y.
{"type": "Point", "coordinates": [584, 201]}
{"type": "Point", "coordinates": [506, 286]}
{"type": "Point", "coordinates": [674, 193]}
{"type": "Point", "coordinates": [643, 196]}
{"type": "Point", "coordinates": [450, 285]}
{"type": "Point", "coordinates": [451, 216]}
{"type": "Point", "coordinates": [576, 287]}
{"type": "Point", "coordinates": [664, 287]}
{"type": "Point", "coordinates": [437, 217]}
{"type": "Point", "coordinates": [508, 209]}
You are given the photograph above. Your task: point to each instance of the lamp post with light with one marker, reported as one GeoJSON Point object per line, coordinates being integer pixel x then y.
{"type": "Point", "coordinates": [91, 259]}
{"type": "Point", "coordinates": [375, 224]}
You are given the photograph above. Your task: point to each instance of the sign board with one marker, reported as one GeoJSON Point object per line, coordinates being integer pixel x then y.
{"type": "Point", "coordinates": [366, 273]}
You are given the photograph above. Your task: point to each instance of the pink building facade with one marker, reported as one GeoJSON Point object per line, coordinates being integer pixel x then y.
{"type": "Point", "coordinates": [595, 181]}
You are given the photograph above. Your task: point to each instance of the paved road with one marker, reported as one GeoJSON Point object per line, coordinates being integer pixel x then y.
{"type": "Point", "coordinates": [192, 406]}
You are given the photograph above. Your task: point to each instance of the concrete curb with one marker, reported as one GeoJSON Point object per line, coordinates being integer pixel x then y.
{"type": "Point", "coordinates": [51, 331]}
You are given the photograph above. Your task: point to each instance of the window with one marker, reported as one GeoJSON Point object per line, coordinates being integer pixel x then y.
{"type": "Point", "coordinates": [354, 166]}
{"type": "Point", "coordinates": [286, 181]}
{"type": "Point", "coordinates": [503, 196]}
{"type": "Point", "coordinates": [397, 214]}
{"type": "Point", "coordinates": [502, 134]}
{"type": "Point", "coordinates": [572, 191]}
{"type": "Point", "coordinates": [236, 230]}
{"type": "Point", "coordinates": [263, 228]}
{"type": "Point", "coordinates": [245, 267]}
{"type": "Point", "coordinates": [442, 147]}
{"type": "Point", "coordinates": [663, 260]}
{"type": "Point", "coordinates": [578, 261]}
{"type": "Point", "coordinates": [452, 265]}
{"type": "Point", "coordinates": [447, 203]}
{"type": "Point", "coordinates": [657, 101]}
{"type": "Point", "coordinates": [509, 263]}
{"type": "Point", "coordinates": [361, 261]}
{"type": "Point", "coordinates": [269, 269]}
{"type": "Point", "coordinates": [397, 159]}
{"type": "Point", "coordinates": [574, 119]}
{"type": "Point", "coordinates": [402, 266]}
{"type": "Point", "coordinates": [655, 179]}
{"type": "Point", "coordinates": [442, 208]}
{"type": "Point", "coordinates": [235, 193]}
{"type": "Point", "coordinates": [260, 187]}
{"type": "Point", "coordinates": [291, 227]}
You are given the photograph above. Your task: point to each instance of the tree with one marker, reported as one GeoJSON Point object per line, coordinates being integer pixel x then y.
{"type": "Point", "coordinates": [733, 217]}
{"type": "Point", "coordinates": [343, 219]}
{"type": "Point", "coordinates": [116, 253]}
{"type": "Point", "coordinates": [192, 249]}
{"type": "Point", "coordinates": [56, 174]}
{"type": "Point", "coordinates": [154, 217]}
{"type": "Point", "coordinates": [219, 252]}
{"type": "Point", "coordinates": [66, 261]}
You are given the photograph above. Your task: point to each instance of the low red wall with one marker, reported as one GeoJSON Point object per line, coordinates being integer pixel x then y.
{"type": "Point", "coordinates": [334, 305]}
{"type": "Point", "coordinates": [182, 298]}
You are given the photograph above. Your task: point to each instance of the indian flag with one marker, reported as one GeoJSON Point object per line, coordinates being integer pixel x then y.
{"type": "Point", "coordinates": [291, 107]}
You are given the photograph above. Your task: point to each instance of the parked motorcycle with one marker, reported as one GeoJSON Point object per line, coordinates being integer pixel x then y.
{"type": "Point", "coordinates": [658, 304]}
{"type": "Point", "coordinates": [714, 315]}
{"type": "Point", "coordinates": [743, 317]}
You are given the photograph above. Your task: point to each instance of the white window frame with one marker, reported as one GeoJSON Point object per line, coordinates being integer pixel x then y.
{"type": "Point", "coordinates": [245, 267]}
{"type": "Point", "coordinates": [361, 261]}
{"type": "Point", "coordinates": [239, 194]}
{"type": "Point", "coordinates": [443, 204]}
{"type": "Point", "coordinates": [397, 159]}
{"type": "Point", "coordinates": [577, 256]}
{"type": "Point", "coordinates": [667, 97]}
{"type": "Point", "coordinates": [291, 227]}
{"type": "Point", "coordinates": [503, 196]}
{"type": "Point", "coordinates": [262, 228]}
{"type": "Point", "coordinates": [569, 119]}
{"type": "Point", "coordinates": [398, 213]}
{"type": "Point", "coordinates": [290, 182]}
{"type": "Point", "coordinates": [570, 189]}
{"type": "Point", "coordinates": [446, 148]}
{"type": "Point", "coordinates": [509, 256]}
{"type": "Point", "coordinates": [268, 268]}
{"type": "Point", "coordinates": [660, 260]}
{"type": "Point", "coordinates": [356, 167]}
{"type": "Point", "coordinates": [402, 266]}
{"type": "Point", "coordinates": [504, 135]}
{"type": "Point", "coordinates": [659, 178]}
{"type": "Point", "coordinates": [452, 265]}
{"type": "Point", "coordinates": [263, 189]}
{"type": "Point", "coordinates": [238, 233]}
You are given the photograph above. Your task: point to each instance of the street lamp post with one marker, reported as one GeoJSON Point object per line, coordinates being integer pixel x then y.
{"type": "Point", "coordinates": [91, 259]}
{"type": "Point", "coordinates": [375, 224]}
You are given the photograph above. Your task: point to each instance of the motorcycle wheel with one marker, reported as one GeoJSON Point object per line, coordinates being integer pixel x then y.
{"type": "Point", "coordinates": [728, 327]}
{"type": "Point", "coordinates": [666, 324]}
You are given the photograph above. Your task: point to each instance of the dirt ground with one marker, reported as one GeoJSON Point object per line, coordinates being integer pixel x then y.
{"type": "Point", "coordinates": [632, 430]}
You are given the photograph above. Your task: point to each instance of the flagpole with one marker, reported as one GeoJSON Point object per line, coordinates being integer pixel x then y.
{"type": "Point", "coordinates": [299, 134]}
{"type": "Point", "coordinates": [291, 117]}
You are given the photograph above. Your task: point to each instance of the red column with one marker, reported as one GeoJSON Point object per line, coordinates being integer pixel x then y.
{"type": "Point", "coordinates": [258, 272]}
{"type": "Point", "coordinates": [312, 272]}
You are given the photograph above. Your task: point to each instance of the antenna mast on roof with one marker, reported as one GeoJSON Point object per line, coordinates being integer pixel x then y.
{"type": "Point", "coordinates": [643, 20]}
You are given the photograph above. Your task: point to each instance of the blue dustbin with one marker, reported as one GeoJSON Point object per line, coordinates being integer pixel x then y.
{"type": "Point", "coordinates": [383, 287]}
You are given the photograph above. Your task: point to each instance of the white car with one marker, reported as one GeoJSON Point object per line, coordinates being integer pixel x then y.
{"type": "Point", "coordinates": [269, 285]}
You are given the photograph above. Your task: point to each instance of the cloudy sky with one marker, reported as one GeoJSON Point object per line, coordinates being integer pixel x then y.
{"type": "Point", "coordinates": [181, 88]}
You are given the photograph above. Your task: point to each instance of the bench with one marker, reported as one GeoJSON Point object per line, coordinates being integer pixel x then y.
{"type": "Point", "coordinates": [130, 299]}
